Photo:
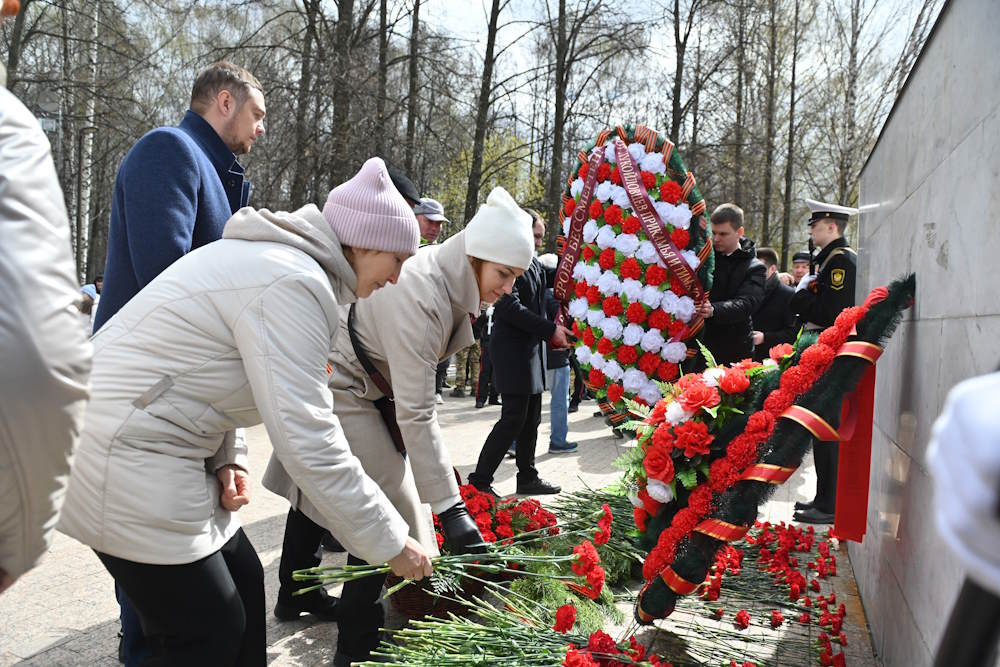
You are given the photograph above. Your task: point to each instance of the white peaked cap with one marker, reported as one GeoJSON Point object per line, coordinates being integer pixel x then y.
{"type": "Point", "coordinates": [500, 231]}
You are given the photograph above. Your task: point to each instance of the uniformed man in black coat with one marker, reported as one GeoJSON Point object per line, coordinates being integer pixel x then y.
{"type": "Point", "coordinates": [737, 290]}
{"type": "Point", "coordinates": [818, 299]}
{"type": "Point", "coordinates": [519, 327]}
{"type": "Point", "coordinates": [774, 322]}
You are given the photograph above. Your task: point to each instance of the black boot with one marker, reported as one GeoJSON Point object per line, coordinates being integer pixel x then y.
{"type": "Point", "coordinates": [301, 550]}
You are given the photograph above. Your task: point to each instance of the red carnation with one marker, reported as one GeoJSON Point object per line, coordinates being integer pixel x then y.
{"type": "Point", "coordinates": [613, 306]}
{"type": "Point", "coordinates": [615, 393]}
{"type": "Point", "coordinates": [677, 329]}
{"type": "Point", "coordinates": [575, 658]}
{"type": "Point", "coordinates": [602, 642]}
{"type": "Point", "coordinates": [588, 253]}
{"type": "Point", "coordinates": [484, 521]}
{"type": "Point", "coordinates": [631, 225]}
{"type": "Point", "coordinates": [760, 422]}
{"type": "Point", "coordinates": [581, 288]}
{"type": "Point", "coordinates": [779, 352]}
{"type": "Point", "coordinates": [734, 381]}
{"type": "Point", "coordinates": [594, 295]}
{"type": "Point", "coordinates": [440, 539]}
{"type": "Point", "coordinates": [659, 319]}
{"type": "Point", "coordinates": [659, 412]}
{"type": "Point", "coordinates": [577, 331]}
{"type": "Point", "coordinates": [613, 214]}
{"type": "Point", "coordinates": [488, 535]}
{"type": "Point", "coordinates": [565, 618]}
{"type": "Point", "coordinates": [663, 437]}
{"type": "Point", "coordinates": [636, 313]}
{"type": "Point", "coordinates": [795, 380]}
{"type": "Point", "coordinates": [655, 275]}
{"type": "Point", "coordinates": [570, 207]}
{"type": "Point", "coordinates": [693, 438]}
{"type": "Point", "coordinates": [605, 346]}
{"type": "Point", "coordinates": [640, 517]}
{"type": "Point", "coordinates": [582, 172]}
{"type": "Point", "coordinates": [742, 621]}
{"type": "Point", "coordinates": [667, 371]}
{"type": "Point", "coordinates": [700, 500]}
{"type": "Point", "coordinates": [596, 209]}
{"type": "Point", "coordinates": [648, 179]}
{"type": "Point", "coordinates": [698, 395]}
{"type": "Point", "coordinates": [777, 618]}
{"type": "Point", "coordinates": [607, 259]}
{"type": "Point", "coordinates": [658, 464]}
{"type": "Point", "coordinates": [817, 357]}
{"type": "Point", "coordinates": [627, 355]}
{"type": "Point", "coordinates": [778, 400]}
{"type": "Point", "coordinates": [505, 532]}
{"type": "Point", "coordinates": [616, 176]}
{"type": "Point", "coordinates": [630, 269]}
{"type": "Point", "coordinates": [670, 192]}
{"type": "Point", "coordinates": [680, 237]}
{"type": "Point", "coordinates": [649, 362]}
{"type": "Point", "coordinates": [603, 172]}
{"type": "Point", "coordinates": [597, 378]}
{"type": "Point", "coordinates": [588, 337]}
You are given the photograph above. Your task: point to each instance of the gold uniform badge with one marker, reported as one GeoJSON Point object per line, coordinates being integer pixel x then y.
{"type": "Point", "coordinates": [837, 278]}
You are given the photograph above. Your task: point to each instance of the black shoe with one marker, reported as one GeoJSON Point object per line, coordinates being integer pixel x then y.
{"type": "Point", "coordinates": [490, 491]}
{"type": "Point", "coordinates": [512, 452]}
{"type": "Point", "coordinates": [457, 392]}
{"type": "Point", "coordinates": [564, 448]}
{"type": "Point", "coordinates": [599, 413]}
{"type": "Point", "coordinates": [445, 385]}
{"type": "Point", "coordinates": [617, 433]}
{"type": "Point", "coordinates": [573, 407]}
{"type": "Point", "coordinates": [538, 487]}
{"type": "Point", "coordinates": [800, 506]}
{"type": "Point", "coordinates": [358, 636]}
{"type": "Point", "coordinates": [330, 543]}
{"type": "Point", "coordinates": [814, 515]}
{"type": "Point", "coordinates": [480, 404]}
{"type": "Point", "coordinates": [323, 606]}
{"type": "Point", "coordinates": [494, 401]}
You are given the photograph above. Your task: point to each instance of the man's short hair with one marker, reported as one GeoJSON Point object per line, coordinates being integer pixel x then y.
{"type": "Point", "coordinates": [768, 256]}
{"type": "Point", "coordinates": [221, 76]}
{"type": "Point", "coordinates": [730, 213]}
{"type": "Point", "coordinates": [536, 217]}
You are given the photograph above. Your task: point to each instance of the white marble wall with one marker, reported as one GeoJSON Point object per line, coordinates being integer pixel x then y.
{"type": "Point", "coordinates": [930, 197]}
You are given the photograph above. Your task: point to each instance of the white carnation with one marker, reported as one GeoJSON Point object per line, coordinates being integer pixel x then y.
{"type": "Point", "coordinates": [579, 270]}
{"type": "Point", "coordinates": [597, 360]}
{"type": "Point", "coordinates": [592, 273]}
{"type": "Point", "coordinates": [675, 352]}
{"type": "Point", "coordinates": [770, 364]}
{"type": "Point", "coordinates": [633, 497]}
{"type": "Point", "coordinates": [634, 380]}
{"type": "Point", "coordinates": [685, 309]}
{"type": "Point", "coordinates": [632, 334]}
{"type": "Point", "coordinates": [632, 289]}
{"type": "Point", "coordinates": [590, 230]}
{"type": "Point", "coordinates": [651, 296]}
{"type": "Point", "coordinates": [578, 308]}
{"type": "Point", "coordinates": [691, 258]}
{"type": "Point", "coordinates": [653, 162]}
{"type": "Point", "coordinates": [669, 303]}
{"type": "Point", "coordinates": [664, 210]}
{"type": "Point", "coordinates": [676, 414]}
{"type": "Point", "coordinates": [606, 237]}
{"type": "Point", "coordinates": [646, 253]}
{"type": "Point", "coordinates": [713, 375]}
{"type": "Point", "coordinates": [609, 284]}
{"type": "Point", "coordinates": [603, 191]}
{"type": "Point", "coordinates": [650, 392]}
{"type": "Point", "coordinates": [612, 327]}
{"type": "Point", "coordinates": [659, 491]}
{"type": "Point", "coordinates": [613, 370]}
{"type": "Point", "coordinates": [609, 152]}
{"type": "Point", "coordinates": [583, 354]}
{"type": "Point", "coordinates": [652, 340]}
{"type": "Point", "coordinates": [594, 316]}
{"type": "Point", "coordinates": [576, 187]}
{"type": "Point", "coordinates": [680, 217]}
{"type": "Point", "coordinates": [620, 196]}
{"type": "Point", "coordinates": [627, 244]}
{"type": "Point", "coordinates": [637, 151]}
{"type": "Point", "coordinates": [566, 222]}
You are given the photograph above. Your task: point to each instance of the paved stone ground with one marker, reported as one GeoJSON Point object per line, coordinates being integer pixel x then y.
{"type": "Point", "coordinates": [64, 612]}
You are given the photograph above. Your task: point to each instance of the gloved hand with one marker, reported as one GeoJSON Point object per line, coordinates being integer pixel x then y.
{"type": "Point", "coordinates": [460, 530]}
{"type": "Point", "coordinates": [805, 282]}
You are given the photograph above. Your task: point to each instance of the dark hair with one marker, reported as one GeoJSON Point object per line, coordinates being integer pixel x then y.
{"type": "Point", "coordinates": [768, 256]}
{"type": "Point", "coordinates": [730, 213]}
{"type": "Point", "coordinates": [98, 277]}
{"type": "Point", "coordinates": [218, 77]}
{"type": "Point", "coordinates": [535, 216]}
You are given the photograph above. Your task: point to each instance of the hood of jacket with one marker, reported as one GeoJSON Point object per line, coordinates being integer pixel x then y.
{"type": "Point", "coordinates": [304, 229]}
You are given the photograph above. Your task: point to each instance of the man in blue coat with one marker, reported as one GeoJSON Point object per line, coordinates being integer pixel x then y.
{"type": "Point", "coordinates": [174, 192]}
{"type": "Point", "coordinates": [178, 186]}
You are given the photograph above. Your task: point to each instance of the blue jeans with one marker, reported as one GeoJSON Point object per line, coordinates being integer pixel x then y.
{"type": "Point", "coordinates": [559, 407]}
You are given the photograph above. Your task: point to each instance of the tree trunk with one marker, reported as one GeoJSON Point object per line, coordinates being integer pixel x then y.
{"type": "Point", "coordinates": [559, 119]}
{"type": "Point", "coordinates": [845, 178]}
{"type": "Point", "coordinates": [680, 44]}
{"type": "Point", "coordinates": [14, 52]}
{"type": "Point", "coordinates": [738, 135]}
{"type": "Point", "coordinates": [411, 116]}
{"type": "Point", "coordinates": [772, 47]}
{"type": "Point", "coordinates": [341, 165]}
{"type": "Point", "coordinates": [87, 149]}
{"type": "Point", "coordinates": [693, 152]}
{"type": "Point", "coordinates": [482, 113]}
{"type": "Point", "coordinates": [383, 76]}
{"type": "Point", "coordinates": [787, 214]}
{"type": "Point", "coordinates": [302, 165]}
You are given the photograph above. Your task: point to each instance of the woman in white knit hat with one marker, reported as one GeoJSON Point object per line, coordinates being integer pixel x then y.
{"type": "Point", "coordinates": [233, 334]}
{"type": "Point", "coordinates": [403, 331]}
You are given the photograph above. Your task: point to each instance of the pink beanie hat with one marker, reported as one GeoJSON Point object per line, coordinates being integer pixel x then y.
{"type": "Point", "coordinates": [368, 212]}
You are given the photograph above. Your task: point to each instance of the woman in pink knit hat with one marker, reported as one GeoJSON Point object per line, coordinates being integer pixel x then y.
{"type": "Point", "coordinates": [234, 334]}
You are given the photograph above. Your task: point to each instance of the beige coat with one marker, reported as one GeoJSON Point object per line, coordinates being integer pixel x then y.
{"type": "Point", "coordinates": [233, 334]}
{"type": "Point", "coordinates": [406, 329]}
{"type": "Point", "coordinates": [44, 353]}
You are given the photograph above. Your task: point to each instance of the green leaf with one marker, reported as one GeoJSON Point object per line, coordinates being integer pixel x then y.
{"type": "Point", "coordinates": [665, 387]}
{"type": "Point", "coordinates": [714, 411]}
{"type": "Point", "coordinates": [637, 408]}
{"type": "Point", "coordinates": [709, 359]}
{"type": "Point", "coordinates": [688, 477]}
{"type": "Point", "coordinates": [703, 468]}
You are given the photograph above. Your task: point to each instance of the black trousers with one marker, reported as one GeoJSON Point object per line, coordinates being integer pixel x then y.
{"type": "Point", "coordinates": [441, 375]}
{"type": "Point", "coordinates": [520, 416]}
{"type": "Point", "coordinates": [299, 550]}
{"type": "Point", "coordinates": [576, 395]}
{"type": "Point", "coordinates": [361, 614]}
{"type": "Point", "coordinates": [486, 389]}
{"type": "Point", "coordinates": [826, 455]}
{"type": "Point", "coordinates": [209, 612]}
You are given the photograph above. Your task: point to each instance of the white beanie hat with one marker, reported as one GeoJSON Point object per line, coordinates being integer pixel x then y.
{"type": "Point", "coordinates": [500, 231]}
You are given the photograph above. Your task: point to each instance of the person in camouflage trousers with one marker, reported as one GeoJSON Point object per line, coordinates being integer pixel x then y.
{"type": "Point", "coordinates": [467, 370]}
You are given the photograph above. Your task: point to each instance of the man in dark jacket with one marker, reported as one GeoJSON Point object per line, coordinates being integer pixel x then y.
{"type": "Point", "coordinates": [737, 289]}
{"type": "Point", "coordinates": [519, 327]}
{"type": "Point", "coordinates": [774, 321]}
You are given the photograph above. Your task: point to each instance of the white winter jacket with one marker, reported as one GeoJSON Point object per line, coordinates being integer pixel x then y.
{"type": "Point", "coordinates": [44, 353]}
{"type": "Point", "coordinates": [233, 334]}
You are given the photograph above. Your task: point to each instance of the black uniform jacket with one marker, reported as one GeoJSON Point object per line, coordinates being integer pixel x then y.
{"type": "Point", "coordinates": [774, 318]}
{"type": "Point", "coordinates": [832, 291]}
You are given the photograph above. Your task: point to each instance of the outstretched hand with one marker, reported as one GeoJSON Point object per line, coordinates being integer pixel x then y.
{"type": "Point", "coordinates": [235, 484]}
